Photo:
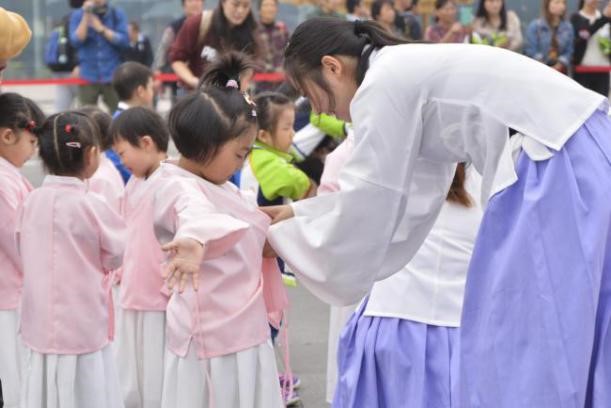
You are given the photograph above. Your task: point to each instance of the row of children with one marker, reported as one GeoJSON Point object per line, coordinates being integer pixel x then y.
{"type": "Point", "coordinates": [67, 242]}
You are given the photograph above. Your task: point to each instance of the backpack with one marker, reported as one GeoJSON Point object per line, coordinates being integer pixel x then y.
{"type": "Point", "coordinates": [59, 54]}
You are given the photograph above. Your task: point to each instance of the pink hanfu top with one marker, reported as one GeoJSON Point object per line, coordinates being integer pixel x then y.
{"type": "Point", "coordinates": [69, 240]}
{"type": "Point", "coordinates": [240, 293]}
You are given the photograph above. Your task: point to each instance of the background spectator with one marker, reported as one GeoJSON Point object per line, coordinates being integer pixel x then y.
{"type": "Point", "coordinates": [325, 8]}
{"type": "Point", "coordinates": [231, 26]}
{"type": "Point", "coordinates": [497, 26]}
{"type": "Point", "coordinates": [550, 37]}
{"type": "Point", "coordinates": [99, 32]}
{"type": "Point", "coordinates": [139, 49]}
{"type": "Point", "coordinates": [383, 12]}
{"type": "Point", "coordinates": [446, 28]}
{"type": "Point", "coordinates": [357, 10]}
{"type": "Point", "coordinates": [275, 36]}
{"type": "Point", "coordinates": [408, 23]}
{"type": "Point", "coordinates": [592, 44]}
{"type": "Point", "coordinates": [162, 62]}
{"type": "Point", "coordinates": [61, 59]}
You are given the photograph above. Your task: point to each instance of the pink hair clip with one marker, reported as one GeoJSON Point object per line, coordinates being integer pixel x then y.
{"type": "Point", "coordinates": [68, 128]}
{"type": "Point", "coordinates": [75, 145]}
{"type": "Point", "coordinates": [30, 126]}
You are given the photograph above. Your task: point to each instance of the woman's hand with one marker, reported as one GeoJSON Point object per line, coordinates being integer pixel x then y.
{"type": "Point", "coordinates": [607, 10]}
{"type": "Point", "coordinates": [186, 256]}
{"type": "Point", "coordinates": [278, 212]}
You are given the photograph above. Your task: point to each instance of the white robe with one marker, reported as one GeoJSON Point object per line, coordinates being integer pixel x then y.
{"type": "Point", "coordinates": [420, 109]}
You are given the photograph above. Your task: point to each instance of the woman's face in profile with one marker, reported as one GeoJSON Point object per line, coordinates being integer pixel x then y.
{"type": "Point", "coordinates": [236, 11]}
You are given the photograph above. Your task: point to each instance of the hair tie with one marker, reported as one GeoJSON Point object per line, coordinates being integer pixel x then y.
{"type": "Point", "coordinates": [232, 83]}
{"type": "Point", "coordinates": [30, 126]}
{"type": "Point", "coordinates": [358, 24]}
{"type": "Point", "coordinates": [68, 128]}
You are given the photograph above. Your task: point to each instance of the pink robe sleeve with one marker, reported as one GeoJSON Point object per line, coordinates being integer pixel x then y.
{"type": "Point", "coordinates": [274, 292]}
{"type": "Point", "coordinates": [112, 233]}
{"type": "Point", "coordinates": [181, 210]}
{"type": "Point", "coordinates": [9, 205]}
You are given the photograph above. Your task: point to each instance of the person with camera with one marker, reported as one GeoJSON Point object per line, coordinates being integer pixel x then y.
{"type": "Point", "coordinates": [99, 33]}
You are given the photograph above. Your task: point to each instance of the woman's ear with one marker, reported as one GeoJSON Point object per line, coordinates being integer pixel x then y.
{"type": "Point", "coordinates": [332, 65]}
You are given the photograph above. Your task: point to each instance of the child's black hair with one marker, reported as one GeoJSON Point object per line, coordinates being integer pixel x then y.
{"type": "Point", "coordinates": [64, 140]}
{"type": "Point", "coordinates": [103, 120]}
{"type": "Point", "coordinates": [269, 107]}
{"type": "Point", "coordinates": [136, 122]}
{"type": "Point", "coordinates": [128, 77]}
{"type": "Point", "coordinates": [18, 112]}
{"type": "Point", "coordinates": [203, 121]}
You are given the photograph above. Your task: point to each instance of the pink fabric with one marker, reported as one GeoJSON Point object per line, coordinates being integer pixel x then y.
{"type": "Point", "coordinates": [329, 181]}
{"type": "Point", "coordinates": [14, 188]}
{"type": "Point", "coordinates": [141, 281]}
{"type": "Point", "coordinates": [228, 313]}
{"type": "Point", "coordinates": [68, 240]}
{"type": "Point", "coordinates": [107, 182]}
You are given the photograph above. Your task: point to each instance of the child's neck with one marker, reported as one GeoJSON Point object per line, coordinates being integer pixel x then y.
{"type": "Point", "coordinates": [4, 155]}
{"type": "Point", "coordinates": [159, 158]}
{"type": "Point", "coordinates": [194, 168]}
{"type": "Point", "coordinates": [134, 102]}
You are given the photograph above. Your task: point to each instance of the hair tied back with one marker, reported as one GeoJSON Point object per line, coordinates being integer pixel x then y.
{"type": "Point", "coordinates": [232, 83]}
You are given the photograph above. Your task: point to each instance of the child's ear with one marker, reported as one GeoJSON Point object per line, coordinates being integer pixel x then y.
{"type": "Point", "coordinates": [7, 136]}
{"type": "Point", "coordinates": [264, 136]}
{"type": "Point", "coordinates": [147, 143]}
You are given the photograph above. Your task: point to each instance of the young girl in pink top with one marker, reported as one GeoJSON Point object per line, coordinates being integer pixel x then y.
{"type": "Point", "coordinates": [218, 337]}
{"type": "Point", "coordinates": [141, 140]}
{"type": "Point", "coordinates": [19, 117]}
{"type": "Point", "coordinates": [107, 180]}
{"type": "Point", "coordinates": [68, 240]}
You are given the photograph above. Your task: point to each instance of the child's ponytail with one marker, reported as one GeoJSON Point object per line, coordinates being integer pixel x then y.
{"type": "Point", "coordinates": [63, 141]}
{"type": "Point", "coordinates": [231, 66]}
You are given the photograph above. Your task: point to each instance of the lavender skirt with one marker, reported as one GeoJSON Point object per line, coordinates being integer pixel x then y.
{"type": "Point", "coordinates": [536, 324]}
{"type": "Point", "coordinates": [396, 363]}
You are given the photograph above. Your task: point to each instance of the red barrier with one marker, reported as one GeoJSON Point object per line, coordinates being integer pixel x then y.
{"type": "Point", "coordinates": [259, 77]}
{"type": "Point", "coordinates": [582, 69]}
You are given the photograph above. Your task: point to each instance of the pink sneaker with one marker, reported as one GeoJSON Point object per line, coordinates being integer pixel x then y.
{"type": "Point", "coordinates": [285, 384]}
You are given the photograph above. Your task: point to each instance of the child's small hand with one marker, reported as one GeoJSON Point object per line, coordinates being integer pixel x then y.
{"type": "Point", "coordinates": [278, 212]}
{"type": "Point", "coordinates": [268, 251]}
{"type": "Point", "coordinates": [186, 256]}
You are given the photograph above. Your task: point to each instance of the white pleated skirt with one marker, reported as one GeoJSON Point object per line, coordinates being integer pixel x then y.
{"type": "Point", "coordinates": [246, 379]}
{"type": "Point", "coordinates": [70, 381]}
{"type": "Point", "coordinates": [139, 353]}
{"type": "Point", "coordinates": [11, 358]}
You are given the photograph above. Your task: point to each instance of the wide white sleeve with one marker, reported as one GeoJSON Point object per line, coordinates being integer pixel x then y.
{"type": "Point", "coordinates": [340, 243]}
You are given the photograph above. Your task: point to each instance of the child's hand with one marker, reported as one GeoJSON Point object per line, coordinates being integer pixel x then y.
{"type": "Point", "coordinates": [186, 257]}
{"type": "Point", "coordinates": [278, 212]}
{"type": "Point", "coordinates": [268, 251]}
